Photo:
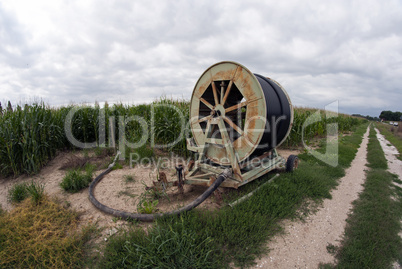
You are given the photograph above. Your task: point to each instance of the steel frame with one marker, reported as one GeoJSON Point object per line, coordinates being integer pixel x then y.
{"type": "Point", "coordinates": [204, 171]}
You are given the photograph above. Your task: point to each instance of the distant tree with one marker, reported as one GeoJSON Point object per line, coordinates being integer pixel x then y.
{"type": "Point", "coordinates": [369, 117]}
{"type": "Point", "coordinates": [366, 117]}
{"type": "Point", "coordinates": [390, 116]}
{"type": "Point", "coordinates": [385, 114]}
{"type": "Point", "coordinates": [398, 115]}
{"type": "Point", "coordinates": [1, 109]}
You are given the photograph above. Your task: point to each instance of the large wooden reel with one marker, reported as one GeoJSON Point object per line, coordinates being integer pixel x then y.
{"type": "Point", "coordinates": [255, 113]}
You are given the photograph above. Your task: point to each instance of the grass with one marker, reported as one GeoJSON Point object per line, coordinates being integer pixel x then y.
{"type": "Point", "coordinates": [371, 236]}
{"type": "Point", "coordinates": [76, 180]}
{"type": "Point", "coordinates": [126, 193]}
{"type": "Point", "coordinates": [238, 235]}
{"type": "Point", "coordinates": [147, 206]}
{"type": "Point", "coordinates": [20, 191]}
{"type": "Point", "coordinates": [42, 235]}
{"type": "Point", "coordinates": [117, 166]}
{"type": "Point", "coordinates": [129, 178]}
{"type": "Point", "coordinates": [17, 193]}
{"type": "Point", "coordinates": [164, 247]}
{"type": "Point", "coordinates": [394, 136]}
{"type": "Point", "coordinates": [36, 192]}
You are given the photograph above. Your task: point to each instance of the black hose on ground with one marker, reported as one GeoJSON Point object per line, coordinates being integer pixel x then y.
{"type": "Point", "coordinates": [151, 217]}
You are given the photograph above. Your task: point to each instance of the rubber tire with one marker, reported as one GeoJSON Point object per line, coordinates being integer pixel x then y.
{"type": "Point", "coordinates": [290, 163]}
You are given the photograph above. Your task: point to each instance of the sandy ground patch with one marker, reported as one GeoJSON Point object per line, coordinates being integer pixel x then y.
{"type": "Point", "coordinates": [304, 243]}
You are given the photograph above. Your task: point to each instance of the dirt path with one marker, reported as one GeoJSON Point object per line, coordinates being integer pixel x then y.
{"type": "Point", "coordinates": [394, 166]}
{"type": "Point", "coordinates": [304, 243]}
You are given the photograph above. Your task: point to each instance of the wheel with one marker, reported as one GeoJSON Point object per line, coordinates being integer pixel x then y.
{"type": "Point", "coordinates": [229, 103]}
{"type": "Point", "coordinates": [292, 163]}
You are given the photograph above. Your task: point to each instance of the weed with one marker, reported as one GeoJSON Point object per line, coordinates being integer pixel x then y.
{"type": "Point", "coordinates": [156, 193]}
{"type": "Point", "coordinates": [126, 193]}
{"type": "Point", "coordinates": [86, 153]}
{"type": "Point", "coordinates": [21, 191]}
{"type": "Point", "coordinates": [332, 249]}
{"type": "Point", "coordinates": [35, 191]}
{"type": "Point", "coordinates": [129, 178]}
{"type": "Point", "coordinates": [147, 207]}
{"type": "Point", "coordinates": [148, 201]}
{"type": "Point", "coordinates": [117, 166]}
{"type": "Point", "coordinates": [17, 193]}
{"type": "Point", "coordinates": [396, 180]}
{"type": "Point", "coordinates": [75, 180]}
{"type": "Point", "coordinates": [66, 204]}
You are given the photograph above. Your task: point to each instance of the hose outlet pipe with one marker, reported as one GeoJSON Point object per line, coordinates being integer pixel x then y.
{"type": "Point", "coordinates": [180, 182]}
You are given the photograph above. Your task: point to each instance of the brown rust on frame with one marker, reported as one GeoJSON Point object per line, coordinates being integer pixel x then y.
{"type": "Point", "coordinates": [216, 100]}
{"type": "Point", "coordinates": [249, 87]}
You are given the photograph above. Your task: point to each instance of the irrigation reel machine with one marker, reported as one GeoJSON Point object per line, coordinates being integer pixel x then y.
{"type": "Point", "coordinates": [237, 120]}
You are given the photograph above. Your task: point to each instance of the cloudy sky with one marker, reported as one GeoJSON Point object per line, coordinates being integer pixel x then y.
{"type": "Point", "coordinates": [136, 51]}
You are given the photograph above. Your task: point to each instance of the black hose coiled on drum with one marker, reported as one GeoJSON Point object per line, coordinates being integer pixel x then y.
{"type": "Point", "coordinates": [150, 217]}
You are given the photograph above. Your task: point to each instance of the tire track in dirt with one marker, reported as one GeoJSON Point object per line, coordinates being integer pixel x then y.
{"type": "Point", "coordinates": [304, 244]}
{"type": "Point", "coordinates": [394, 166]}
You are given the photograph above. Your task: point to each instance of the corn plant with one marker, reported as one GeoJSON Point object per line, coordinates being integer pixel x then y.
{"type": "Point", "coordinates": [170, 119]}
{"type": "Point", "coordinates": [319, 128]}
{"type": "Point", "coordinates": [29, 138]}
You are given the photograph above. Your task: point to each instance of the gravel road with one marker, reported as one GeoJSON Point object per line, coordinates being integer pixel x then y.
{"type": "Point", "coordinates": [304, 244]}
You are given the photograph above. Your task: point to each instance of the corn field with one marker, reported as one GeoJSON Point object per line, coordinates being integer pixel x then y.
{"type": "Point", "coordinates": [319, 128]}
{"type": "Point", "coordinates": [30, 136]}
